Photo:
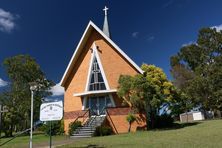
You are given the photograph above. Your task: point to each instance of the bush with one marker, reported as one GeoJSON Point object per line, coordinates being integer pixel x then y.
{"type": "Point", "coordinates": [103, 131]}
{"type": "Point", "coordinates": [163, 121]}
{"type": "Point", "coordinates": [57, 128]}
{"type": "Point", "coordinates": [73, 126]}
{"type": "Point", "coordinates": [130, 119]}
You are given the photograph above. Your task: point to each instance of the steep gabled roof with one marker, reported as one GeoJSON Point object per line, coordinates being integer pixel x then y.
{"type": "Point", "coordinates": [81, 44]}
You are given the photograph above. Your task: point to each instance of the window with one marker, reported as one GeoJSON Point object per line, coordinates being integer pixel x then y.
{"type": "Point", "coordinates": [96, 79]}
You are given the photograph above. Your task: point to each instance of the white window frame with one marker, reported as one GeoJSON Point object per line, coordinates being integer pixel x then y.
{"type": "Point", "coordinates": [96, 55]}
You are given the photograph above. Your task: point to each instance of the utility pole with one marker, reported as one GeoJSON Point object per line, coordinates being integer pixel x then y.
{"type": "Point", "coordinates": [33, 87]}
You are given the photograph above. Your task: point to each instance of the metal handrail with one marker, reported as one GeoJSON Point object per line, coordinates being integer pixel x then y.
{"type": "Point", "coordinates": [82, 115]}
{"type": "Point", "coordinates": [97, 115]}
{"type": "Point", "coordinates": [88, 110]}
{"type": "Point", "coordinates": [111, 121]}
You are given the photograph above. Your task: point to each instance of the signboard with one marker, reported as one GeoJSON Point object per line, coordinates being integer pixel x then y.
{"type": "Point", "coordinates": [51, 111]}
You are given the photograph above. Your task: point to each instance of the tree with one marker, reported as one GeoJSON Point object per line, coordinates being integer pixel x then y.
{"type": "Point", "coordinates": [137, 93]}
{"type": "Point", "coordinates": [163, 87]}
{"type": "Point", "coordinates": [22, 70]}
{"type": "Point", "coordinates": [130, 119]}
{"type": "Point", "coordinates": [197, 70]}
{"type": "Point", "coordinates": [146, 92]}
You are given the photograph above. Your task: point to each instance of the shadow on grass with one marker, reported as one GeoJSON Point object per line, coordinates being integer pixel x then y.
{"type": "Point", "coordinates": [178, 126]}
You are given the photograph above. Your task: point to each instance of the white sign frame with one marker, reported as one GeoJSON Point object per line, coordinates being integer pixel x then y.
{"type": "Point", "coordinates": [51, 111]}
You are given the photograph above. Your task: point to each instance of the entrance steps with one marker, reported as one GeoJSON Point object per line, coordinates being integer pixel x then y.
{"type": "Point", "coordinates": [89, 128]}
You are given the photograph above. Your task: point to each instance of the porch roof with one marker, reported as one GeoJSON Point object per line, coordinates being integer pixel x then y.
{"type": "Point", "coordinates": [94, 92]}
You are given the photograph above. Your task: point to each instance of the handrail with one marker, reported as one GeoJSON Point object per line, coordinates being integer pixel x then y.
{"type": "Point", "coordinates": [88, 111]}
{"type": "Point", "coordinates": [111, 121]}
{"type": "Point", "coordinates": [81, 115]}
{"type": "Point", "coordinates": [99, 114]}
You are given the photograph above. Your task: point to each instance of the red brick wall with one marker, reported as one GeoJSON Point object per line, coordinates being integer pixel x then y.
{"type": "Point", "coordinates": [75, 114]}
{"type": "Point", "coordinates": [117, 120]}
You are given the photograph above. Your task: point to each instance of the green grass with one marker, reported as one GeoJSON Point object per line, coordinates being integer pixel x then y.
{"type": "Point", "coordinates": [23, 141]}
{"type": "Point", "coordinates": [207, 134]}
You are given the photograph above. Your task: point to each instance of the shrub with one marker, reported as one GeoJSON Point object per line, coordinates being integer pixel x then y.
{"type": "Point", "coordinates": [163, 121]}
{"type": "Point", "coordinates": [130, 119]}
{"type": "Point", "coordinates": [55, 130]}
{"type": "Point", "coordinates": [103, 131]}
{"type": "Point", "coordinates": [73, 126]}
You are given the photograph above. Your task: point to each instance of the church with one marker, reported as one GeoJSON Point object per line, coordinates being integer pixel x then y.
{"type": "Point", "coordinates": [91, 81]}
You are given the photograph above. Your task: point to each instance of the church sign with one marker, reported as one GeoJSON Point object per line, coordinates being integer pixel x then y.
{"type": "Point", "coordinates": [51, 111]}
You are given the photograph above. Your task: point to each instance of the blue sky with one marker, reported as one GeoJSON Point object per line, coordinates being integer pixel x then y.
{"type": "Point", "coordinates": [149, 31]}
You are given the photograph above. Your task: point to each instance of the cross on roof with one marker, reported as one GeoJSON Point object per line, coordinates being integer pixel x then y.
{"type": "Point", "coordinates": [105, 10]}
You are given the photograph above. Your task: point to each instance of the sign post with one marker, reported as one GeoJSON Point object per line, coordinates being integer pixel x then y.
{"type": "Point", "coordinates": [50, 138]}
{"type": "Point", "coordinates": [51, 111]}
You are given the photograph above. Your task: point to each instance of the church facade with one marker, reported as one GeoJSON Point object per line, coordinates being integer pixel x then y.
{"type": "Point", "coordinates": [91, 80]}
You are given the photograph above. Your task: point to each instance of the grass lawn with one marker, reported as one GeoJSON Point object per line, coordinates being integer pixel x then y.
{"type": "Point", "coordinates": [206, 134]}
{"type": "Point", "coordinates": [23, 141]}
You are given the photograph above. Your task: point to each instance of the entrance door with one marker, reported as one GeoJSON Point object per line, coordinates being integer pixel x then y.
{"type": "Point", "coordinates": [93, 105]}
{"type": "Point", "coordinates": [102, 105]}
{"type": "Point", "coordinates": [97, 104]}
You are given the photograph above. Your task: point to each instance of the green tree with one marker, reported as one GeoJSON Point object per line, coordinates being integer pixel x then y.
{"type": "Point", "coordinates": [22, 70]}
{"type": "Point", "coordinates": [163, 87]}
{"type": "Point", "coordinates": [146, 92]}
{"type": "Point", "coordinates": [197, 70]}
{"type": "Point", "coordinates": [137, 92]}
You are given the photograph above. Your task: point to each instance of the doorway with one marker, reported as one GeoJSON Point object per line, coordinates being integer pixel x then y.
{"type": "Point", "coordinates": [96, 104]}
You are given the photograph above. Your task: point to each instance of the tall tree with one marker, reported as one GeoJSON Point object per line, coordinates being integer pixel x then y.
{"type": "Point", "coordinates": [197, 70]}
{"type": "Point", "coordinates": [22, 70]}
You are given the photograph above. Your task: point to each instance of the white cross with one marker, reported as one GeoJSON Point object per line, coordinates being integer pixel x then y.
{"type": "Point", "coordinates": [105, 9]}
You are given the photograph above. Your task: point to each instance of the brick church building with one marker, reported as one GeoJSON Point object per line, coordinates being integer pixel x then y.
{"type": "Point", "coordinates": [91, 81]}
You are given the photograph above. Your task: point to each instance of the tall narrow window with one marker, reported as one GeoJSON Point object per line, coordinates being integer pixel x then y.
{"type": "Point", "coordinates": [96, 79]}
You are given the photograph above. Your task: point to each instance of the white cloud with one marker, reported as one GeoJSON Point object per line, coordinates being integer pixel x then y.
{"type": "Point", "coordinates": [218, 28]}
{"type": "Point", "coordinates": [135, 34]}
{"type": "Point", "coordinates": [189, 43]}
{"type": "Point", "coordinates": [57, 90]}
{"type": "Point", "coordinates": [3, 83]}
{"type": "Point", "coordinates": [150, 38]}
{"type": "Point", "coordinates": [7, 19]}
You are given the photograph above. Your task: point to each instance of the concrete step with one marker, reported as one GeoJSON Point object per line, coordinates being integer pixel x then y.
{"type": "Point", "coordinates": [89, 128]}
{"type": "Point", "coordinates": [83, 134]}
{"type": "Point", "coordinates": [80, 136]}
{"type": "Point", "coordinates": [86, 128]}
